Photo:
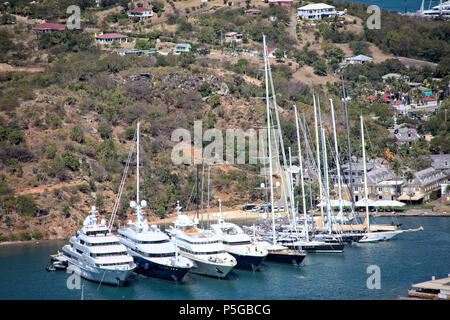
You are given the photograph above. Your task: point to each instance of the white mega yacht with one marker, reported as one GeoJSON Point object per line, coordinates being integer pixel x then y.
{"type": "Point", "coordinates": [202, 247]}
{"type": "Point", "coordinates": [153, 252]}
{"type": "Point", "coordinates": [96, 254]}
{"type": "Point", "coordinates": [239, 244]}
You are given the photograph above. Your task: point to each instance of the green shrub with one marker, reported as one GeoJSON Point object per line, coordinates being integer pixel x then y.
{"type": "Point", "coordinates": [71, 161]}
{"type": "Point", "coordinates": [50, 152]}
{"type": "Point", "coordinates": [36, 235]}
{"type": "Point", "coordinates": [214, 101]}
{"type": "Point", "coordinates": [26, 206]}
{"type": "Point", "coordinates": [77, 134]}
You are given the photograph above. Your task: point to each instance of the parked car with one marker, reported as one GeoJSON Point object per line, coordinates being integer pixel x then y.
{"type": "Point", "coordinates": [248, 207]}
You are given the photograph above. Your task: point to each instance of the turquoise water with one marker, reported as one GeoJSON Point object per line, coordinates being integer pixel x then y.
{"type": "Point", "coordinates": [409, 258]}
{"type": "Point", "coordinates": [398, 5]}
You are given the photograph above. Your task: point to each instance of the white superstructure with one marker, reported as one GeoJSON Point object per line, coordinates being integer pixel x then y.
{"type": "Point", "coordinates": [154, 253]}
{"type": "Point", "coordinates": [202, 247]}
{"type": "Point", "coordinates": [96, 254]}
{"type": "Point", "coordinates": [239, 244]}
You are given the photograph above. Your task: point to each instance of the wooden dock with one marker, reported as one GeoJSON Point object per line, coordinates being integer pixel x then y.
{"type": "Point", "coordinates": [436, 289]}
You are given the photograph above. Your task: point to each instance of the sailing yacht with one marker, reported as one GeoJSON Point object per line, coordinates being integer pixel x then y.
{"type": "Point", "coordinates": [154, 253]}
{"type": "Point", "coordinates": [374, 233]}
{"type": "Point", "coordinates": [238, 244]}
{"type": "Point", "coordinates": [276, 252]}
{"type": "Point", "coordinates": [96, 254]}
{"type": "Point", "coordinates": [440, 10]}
{"type": "Point", "coordinates": [201, 246]}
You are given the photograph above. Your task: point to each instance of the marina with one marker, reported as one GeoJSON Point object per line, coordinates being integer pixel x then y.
{"type": "Point", "coordinates": [312, 197]}
{"type": "Point", "coordinates": [407, 259]}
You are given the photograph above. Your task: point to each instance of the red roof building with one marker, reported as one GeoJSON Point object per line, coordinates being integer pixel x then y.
{"type": "Point", "coordinates": [48, 27]}
{"type": "Point", "coordinates": [371, 98]}
{"type": "Point", "coordinates": [387, 97]}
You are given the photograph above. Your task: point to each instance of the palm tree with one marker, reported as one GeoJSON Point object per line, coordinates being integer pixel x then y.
{"type": "Point", "coordinates": [409, 177]}
{"type": "Point", "coordinates": [396, 167]}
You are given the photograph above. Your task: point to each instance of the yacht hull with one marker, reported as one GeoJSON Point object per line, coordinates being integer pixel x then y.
{"type": "Point", "coordinates": [322, 248]}
{"type": "Point", "coordinates": [152, 269]}
{"type": "Point", "coordinates": [247, 262]}
{"type": "Point", "coordinates": [103, 276]}
{"type": "Point", "coordinates": [379, 236]}
{"type": "Point", "coordinates": [288, 257]}
{"type": "Point", "coordinates": [210, 269]}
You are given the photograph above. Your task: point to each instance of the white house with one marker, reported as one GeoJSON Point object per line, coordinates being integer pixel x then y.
{"type": "Point", "coordinates": [317, 11]}
{"type": "Point", "coordinates": [358, 59]}
{"type": "Point", "coordinates": [141, 13]}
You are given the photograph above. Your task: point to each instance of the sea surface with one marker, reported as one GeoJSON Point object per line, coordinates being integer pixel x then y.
{"type": "Point", "coordinates": [411, 257]}
{"type": "Point", "coordinates": [398, 5]}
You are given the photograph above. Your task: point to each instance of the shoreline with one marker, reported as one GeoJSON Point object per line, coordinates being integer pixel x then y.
{"type": "Point", "coordinates": [239, 215]}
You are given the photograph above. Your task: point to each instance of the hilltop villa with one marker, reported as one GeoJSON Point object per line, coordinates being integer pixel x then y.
{"type": "Point", "coordinates": [318, 11]}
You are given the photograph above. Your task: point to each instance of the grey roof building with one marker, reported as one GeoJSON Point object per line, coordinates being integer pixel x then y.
{"type": "Point", "coordinates": [406, 135]}
{"type": "Point", "coordinates": [440, 161]}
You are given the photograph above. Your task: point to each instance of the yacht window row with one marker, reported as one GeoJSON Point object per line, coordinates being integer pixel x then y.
{"type": "Point", "coordinates": [97, 233]}
{"type": "Point", "coordinates": [199, 253]}
{"type": "Point", "coordinates": [199, 242]}
{"type": "Point", "coordinates": [111, 264]}
{"type": "Point", "coordinates": [146, 241]}
{"type": "Point", "coordinates": [108, 254]}
{"type": "Point", "coordinates": [236, 243]}
{"type": "Point", "coordinates": [91, 244]}
{"type": "Point", "coordinates": [155, 255]}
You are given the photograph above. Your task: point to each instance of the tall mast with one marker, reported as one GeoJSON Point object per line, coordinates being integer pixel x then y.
{"type": "Point", "coordinates": [268, 138]}
{"type": "Point", "coordinates": [203, 179]}
{"type": "Point", "coordinates": [349, 150]}
{"type": "Point", "coordinates": [196, 197]}
{"type": "Point", "coordinates": [338, 167]}
{"type": "Point", "coordinates": [137, 163]}
{"type": "Point", "coordinates": [209, 172]}
{"type": "Point", "coordinates": [365, 174]}
{"type": "Point", "coordinates": [275, 106]}
{"type": "Point", "coordinates": [326, 184]}
{"type": "Point", "coordinates": [300, 160]}
{"type": "Point", "coordinates": [319, 175]}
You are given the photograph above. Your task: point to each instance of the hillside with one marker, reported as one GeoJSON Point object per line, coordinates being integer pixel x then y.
{"type": "Point", "coordinates": [69, 105]}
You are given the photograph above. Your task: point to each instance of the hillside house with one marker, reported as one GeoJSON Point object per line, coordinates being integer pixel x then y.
{"type": "Point", "coordinates": [108, 38]}
{"type": "Point", "coordinates": [182, 48]}
{"type": "Point", "coordinates": [233, 36]}
{"type": "Point", "coordinates": [48, 27]}
{"type": "Point", "coordinates": [141, 13]}
{"type": "Point", "coordinates": [317, 11]}
{"type": "Point", "coordinates": [359, 59]}
{"type": "Point", "coordinates": [406, 136]}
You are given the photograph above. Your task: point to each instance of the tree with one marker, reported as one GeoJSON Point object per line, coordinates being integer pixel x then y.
{"type": "Point", "coordinates": [205, 89]}
{"type": "Point", "coordinates": [105, 130]}
{"type": "Point", "coordinates": [77, 134]}
{"type": "Point", "coordinates": [320, 67]}
{"type": "Point", "coordinates": [26, 206]}
{"type": "Point", "coordinates": [142, 45]}
{"type": "Point", "coordinates": [409, 177]}
{"type": "Point", "coordinates": [214, 101]}
{"type": "Point", "coordinates": [158, 7]}
{"type": "Point", "coordinates": [71, 161]}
